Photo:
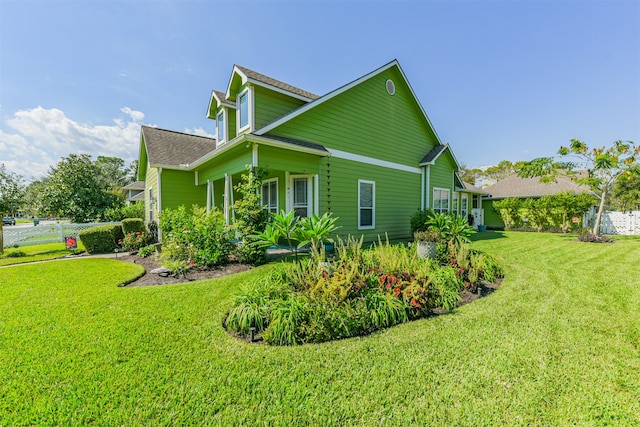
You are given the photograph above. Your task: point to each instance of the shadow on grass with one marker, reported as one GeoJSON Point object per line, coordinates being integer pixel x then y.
{"type": "Point", "coordinates": [487, 235]}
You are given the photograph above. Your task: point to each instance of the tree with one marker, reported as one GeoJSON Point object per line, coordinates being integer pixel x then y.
{"type": "Point", "coordinates": [625, 195]}
{"type": "Point", "coordinates": [601, 167]}
{"type": "Point", "coordinates": [11, 193]}
{"type": "Point", "coordinates": [76, 188]}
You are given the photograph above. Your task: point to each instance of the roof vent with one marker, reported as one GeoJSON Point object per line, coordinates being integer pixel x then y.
{"type": "Point", "coordinates": [391, 87]}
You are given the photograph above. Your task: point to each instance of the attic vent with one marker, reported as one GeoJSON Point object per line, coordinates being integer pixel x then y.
{"type": "Point", "coordinates": [391, 87]}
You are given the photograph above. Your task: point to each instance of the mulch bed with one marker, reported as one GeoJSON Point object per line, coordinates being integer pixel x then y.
{"type": "Point", "coordinates": [196, 273]}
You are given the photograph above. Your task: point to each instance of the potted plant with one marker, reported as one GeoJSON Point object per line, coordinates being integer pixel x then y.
{"type": "Point", "coordinates": [426, 242]}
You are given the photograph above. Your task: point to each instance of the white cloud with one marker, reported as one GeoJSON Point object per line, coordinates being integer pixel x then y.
{"type": "Point", "coordinates": [39, 137]}
{"type": "Point", "coordinates": [199, 131]}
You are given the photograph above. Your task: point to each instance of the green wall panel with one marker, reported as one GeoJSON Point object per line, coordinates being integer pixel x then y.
{"type": "Point", "coordinates": [231, 162]}
{"type": "Point", "coordinates": [366, 120]}
{"type": "Point", "coordinates": [270, 105]}
{"type": "Point", "coordinates": [491, 217]}
{"type": "Point", "coordinates": [178, 188]}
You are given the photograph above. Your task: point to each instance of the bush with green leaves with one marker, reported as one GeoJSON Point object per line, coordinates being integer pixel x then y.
{"type": "Point", "coordinates": [358, 292]}
{"type": "Point", "coordinates": [101, 239]}
{"type": "Point", "coordinates": [195, 236]}
{"type": "Point", "coordinates": [250, 217]}
{"type": "Point", "coordinates": [133, 241]}
{"type": "Point", "coordinates": [133, 225]}
{"type": "Point", "coordinates": [147, 251]}
{"type": "Point", "coordinates": [134, 210]}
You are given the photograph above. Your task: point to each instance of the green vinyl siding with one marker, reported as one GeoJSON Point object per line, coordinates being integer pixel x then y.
{"type": "Point", "coordinates": [271, 158]}
{"type": "Point", "coordinates": [150, 184]}
{"type": "Point", "coordinates": [397, 197]}
{"type": "Point", "coordinates": [270, 105]}
{"type": "Point", "coordinates": [366, 120]}
{"type": "Point", "coordinates": [178, 188]}
{"type": "Point", "coordinates": [229, 163]}
{"type": "Point", "coordinates": [491, 217]}
{"type": "Point", "coordinates": [442, 176]}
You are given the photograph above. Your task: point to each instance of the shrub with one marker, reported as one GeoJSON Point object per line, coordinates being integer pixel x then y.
{"type": "Point", "coordinates": [250, 217]}
{"type": "Point", "coordinates": [133, 225]}
{"type": "Point", "coordinates": [195, 236]}
{"type": "Point", "coordinates": [146, 251]}
{"type": "Point", "coordinates": [419, 221]}
{"type": "Point", "coordinates": [133, 241]}
{"type": "Point", "coordinates": [134, 210]}
{"type": "Point", "coordinates": [15, 254]}
{"type": "Point", "coordinates": [101, 239]}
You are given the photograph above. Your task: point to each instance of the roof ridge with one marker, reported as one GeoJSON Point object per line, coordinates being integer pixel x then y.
{"type": "Point", "coordinates": [178, 132]}
{"type": "Point", "coordinates": [278, 83]}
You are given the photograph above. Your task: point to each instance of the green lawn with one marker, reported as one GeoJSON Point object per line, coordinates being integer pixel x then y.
{"type": "Point", "coordinates": [33, 253]}
{"type": "Point", "coordinates": [557, 344]}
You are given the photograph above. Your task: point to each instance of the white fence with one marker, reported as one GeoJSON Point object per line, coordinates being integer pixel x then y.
{"type": "Point", "coordinates": [46, 233]}
{"type": "Point", "coordinates": [627, 223]}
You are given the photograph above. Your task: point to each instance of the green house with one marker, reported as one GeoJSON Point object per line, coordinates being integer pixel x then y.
{"type": "Point", "coordinates": [366, 152]}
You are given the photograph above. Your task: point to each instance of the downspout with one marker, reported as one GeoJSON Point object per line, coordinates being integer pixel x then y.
{"type": "Point", "coordinates": [422, 178]}
{"type": "Point", "coordinates": [428, 192]}
{"type": "Point", "coordinates": [159, 204]}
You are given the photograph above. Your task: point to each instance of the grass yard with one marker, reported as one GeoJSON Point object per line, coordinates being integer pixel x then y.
{"type": "Point", "coordinates": [34, 253]}
{"type": "Point", "coordinates": [557, 344]}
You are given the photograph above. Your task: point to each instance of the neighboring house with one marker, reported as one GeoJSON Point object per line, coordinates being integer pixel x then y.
{"type": "Point", "coordinates": [365, 152]}
{"type": "Point", "coordinates": [133, 192]}
{"type": "Point", "coordinates": [514, 186]}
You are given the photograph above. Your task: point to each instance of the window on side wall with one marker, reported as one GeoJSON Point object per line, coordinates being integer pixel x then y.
{"type": "Point", "coordinates": [366, 205]}
{"type": "Point", "coordinates": [464, 205]}
{"type": "Point", "coordinates": [220, 126]}
{"type": "Point", "coordinates": [454, 203]}
{"type": "Point", "coordinates": [441, 200]}
{"type": "Point", "coordinates": [243, 110]}
{"type": "Point", "coordinates": [269, 195]}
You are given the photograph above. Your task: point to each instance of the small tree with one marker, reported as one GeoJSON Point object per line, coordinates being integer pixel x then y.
{"type": "Point", "coordinates": [602, 166]}
{"type": "Point", "coordinates": [509, 211]}
{"type": "Point", "coordinates": [11, 194]}
{"type": "Point", "coordinates": [250, 216]}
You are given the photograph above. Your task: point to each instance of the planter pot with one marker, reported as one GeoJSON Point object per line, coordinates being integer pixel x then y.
{"type": "Point", "coordinates": [426, 249]}
{"type": "Point", "coordinates": [482, 228]}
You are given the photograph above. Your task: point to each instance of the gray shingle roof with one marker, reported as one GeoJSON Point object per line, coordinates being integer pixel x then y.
{"type": "Point", "coordinates": [296, 142]}
{"type": "Point", "coordinates": [170, 148]}
{"type": "Point", "coordinates": [514, 186]}
{"type": "Point", "coordinates": [138, 197]}
{"type": "Point", "coordinates": [136, 185]}
{"type": "Point", "coordinates": [433, 154]}
{"type": "Point", "coordinates": [276, 83]}
{"type": "Point", "coordinates": [472, 188]}
{"type": "Point", "coordinates": [222, 97]}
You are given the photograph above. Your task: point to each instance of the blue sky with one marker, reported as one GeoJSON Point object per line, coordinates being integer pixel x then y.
{"type": "Point", "coordinates": [499, 80]}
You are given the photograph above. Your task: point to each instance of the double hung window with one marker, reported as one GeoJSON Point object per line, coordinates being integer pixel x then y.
{"type": "Point", "coordinates": [440, 200]}
{"type": "Point", "coordinates": [269, 195]}
{"type": "Point", "coordinates": [366, 204]}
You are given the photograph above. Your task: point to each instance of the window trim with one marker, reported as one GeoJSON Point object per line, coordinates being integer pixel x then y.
{"type": "Point", "coordinates": [311, 192]}
{"type": "Point", "coordinates": [225, 126]}
{"type": "Point", "coordinates": [249, 126]}
{"type": "Point", "coordinates": [373, 205]}
{"type": "Point", "coordinates": [267, 182]}
{"type": "Point", "coordinates": [439, 209]}
{"type": "Point", "coordinates": [464, 204]}
{"type": "Point", "coordinates": [455, 203]}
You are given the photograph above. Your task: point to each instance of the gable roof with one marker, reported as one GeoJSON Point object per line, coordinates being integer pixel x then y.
{"type": "Point", "coordinates": [135, 185]}
{"type": "Point", "coordinates": [343, 89]}
{"type": "Point", "coordinates": [514, 186]}
{"type": "Point", "coordinates": [259, 79]}
{"type": "Point", "coordinates": [167, 148]}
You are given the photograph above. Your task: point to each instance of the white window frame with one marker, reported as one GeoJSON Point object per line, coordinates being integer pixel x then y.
{"type": "Point", "coordinates": [311, 192]}
{"type": "Point", "coordinates": [267, 183]}
{"type": "Point", "coordinates": [372, 207]}
{"type": "Point", "coordinates": [439, 199]}
{"type": "Point", "coordinates": [464, 204]}
{"type": "Point", "coordinates": [455, 202]}
{"type": "Point", "coordinates": [225, 126]}
{"type": "Point", "coordinates": [249, 126]}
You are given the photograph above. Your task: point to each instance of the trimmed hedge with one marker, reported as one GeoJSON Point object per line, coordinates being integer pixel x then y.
{"type": "Point", "coordinates": [101, 239]}
{"type": "Point", "coordinates": [133, 225]}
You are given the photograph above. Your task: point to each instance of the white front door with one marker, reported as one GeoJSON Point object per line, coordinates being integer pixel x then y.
{"type": "Point", "coordinates": [478, 217]}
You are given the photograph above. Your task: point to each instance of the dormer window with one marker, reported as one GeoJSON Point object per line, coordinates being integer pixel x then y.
{"type": "Point", "coordinates": [220, 125]}
{"type": "Point", "coordinates": [244, 110]}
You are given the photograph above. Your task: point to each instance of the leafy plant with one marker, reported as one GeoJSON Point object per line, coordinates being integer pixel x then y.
{"type": "Point", "coordinates": [133, 241]}
{"type": "Point", "coordinates": [147, 251]}
{"type": "Point", "coordinates": [250, 217]}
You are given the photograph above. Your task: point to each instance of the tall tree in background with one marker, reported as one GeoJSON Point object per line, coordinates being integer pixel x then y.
{"type": "Point", "coordinates": [11, 193]}
{"type": "Point", "coordinates": [625, 195]}
{"type": "Point", "coordinates": [79, 189]}
{"type": "Point", "coordinates": [602, 167]}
